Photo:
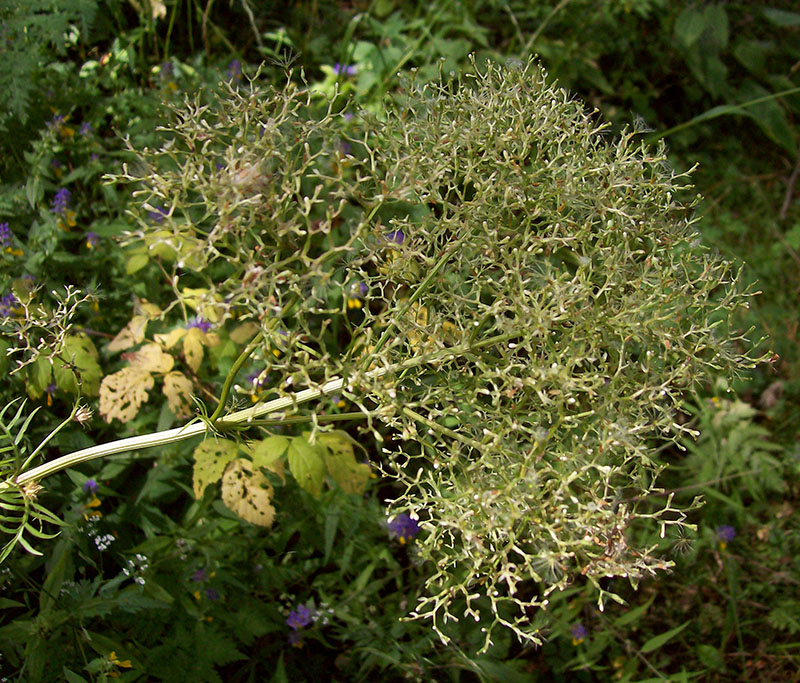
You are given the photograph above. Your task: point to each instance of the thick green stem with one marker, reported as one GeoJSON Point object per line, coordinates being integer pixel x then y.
{"type": "Point", "coordinates": [240, 361]}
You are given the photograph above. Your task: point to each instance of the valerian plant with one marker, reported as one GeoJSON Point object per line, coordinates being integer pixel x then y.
{"type": "Point", "coordinates": [490, 279]}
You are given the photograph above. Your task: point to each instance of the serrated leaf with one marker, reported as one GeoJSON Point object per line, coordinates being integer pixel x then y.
{"type": "Point", "coordinates": [307, 465]}
{"type": "Point", "coordinates": [341, 464]}
{"type": "Point", "coordinates": [657, 641]}
{"type": "Point", "coordinates": [122, 393]}
{"type": "Point", "coordinates": [152, 358]}
{"type": "Point", "coordinates": [178, 390]}
{"type": "Point", "coordinates": [210, 460]}
{"type": "Point", "coordinates": [248, 493]}
{"type": "Point", "coordinates": [130, 335]}
{"type": "Point", "coordinates": [193, 348]}
{"type": "Point", "coordinates": [76, 369]}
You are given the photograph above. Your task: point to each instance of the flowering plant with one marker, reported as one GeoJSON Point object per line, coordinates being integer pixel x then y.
{"type": "Point", "coordinates": [533, 306]}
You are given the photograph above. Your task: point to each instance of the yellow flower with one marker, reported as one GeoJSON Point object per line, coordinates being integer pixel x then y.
{"type": "Point", "coordinates": [125, 663]}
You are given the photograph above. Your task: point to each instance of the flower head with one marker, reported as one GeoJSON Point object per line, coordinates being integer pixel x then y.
{"type": "Point", "coordinates": [60, 204]}
{"type": "Point", "coordinates": [5, 235]}
{"type": "Point", "coordinates": [7, 304]}
{"type": "Point", "coordinates": [212, 594]}
{"type": "Point", "coordinates": [725, 533]}
{"type": "Point", "coordinates": [403, 527]}
{"type": "Point", "coordinates": [579, 633]}
{"type": "Point", "coordinates": [345, 69]}
{"type": "Point", "coordinates": [396, 236]}
{"type": "Point", "coordinates": [199, 323]}
{"type": "Point", "coordinates": [199, 575]}
{"type": "Point", "coordinates": [299, 618]}
{"type": "Point", "coordinates": [92, 239]}
{"type": "Point", "coordinates": [89, 486]}
{"type": "Point", "coordinates": [235, 70]}
{"type": "Point", "coordinates": [86, 128]}
{"type": "Point", "coordinates": [158, 213]}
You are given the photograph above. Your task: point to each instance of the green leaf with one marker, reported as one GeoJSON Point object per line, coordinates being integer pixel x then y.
{"type": "Point", "coordinates": [267, 452]}
{"type": "Point", "coordinates": [39, 374]}
{"type": "Point", "coordinates": [689, 26]}
{"type": "Point", "coordinates": [716, 20]}
{"type": "Point", "coordinates": [76, 370]}
{"type": "Point", "coordinates": [210, 460]}
{"type": "Point", "coordinates": [634, 614]}
{"type": "Point", "coordinates": [710, 657]}
{"type": "Point", "coordinates": [72, 677]}
{"type": "Point", "coordinates": [136, 263]}
{"type": "Point", "coordinates": [331, 525]}
{"type": "Point", "coordinates": [306, 464]}
{"type": "Point", "coordinates": [780, 17]}
{"type": "Point", "coordinates": [752, 55]}
{"type": "Point", "coordinates": [657, 641]}
{"type": "Point", "coordinates": [341, 463]}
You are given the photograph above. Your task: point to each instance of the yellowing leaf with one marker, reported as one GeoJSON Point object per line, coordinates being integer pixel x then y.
{"type": "Point", "coordinates": [306, 465]}
{"type": "Point", "coordinates": [152, 359]}
{"type": "Point", "coordinates": [122, 393]}
{"type": "Point", "coordinates": [340, 460]}
{"type": "Point", "coordinates": [210, 460]}
{"type": "Point", "coordinates": [76, 369]}
{"type": "Point", "coordinates": [178, 390]}
{"type": "Point", "coordinates": [130, 335]}
{"type": "Point", "coordinates": [202, 303]}
{"type": "Point", "coordinates": [145, 308]}
{"type": "Point", "coordinates": [193, 348]}
{"type": "Point", "coordinates": [248, 493]}
{"type": "Point", "coordinates": [136, 262]}
{"type": "Point", "coordinates": [169, 339]}
{"type": "Point", "coordinates": [243, 333]}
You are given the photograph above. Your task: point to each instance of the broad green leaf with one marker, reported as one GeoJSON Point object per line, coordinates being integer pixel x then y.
{"type": "Point", "coordinates": [341, 463]}
{"type": "Point", "coordinates": [210, 460]}
{"type": "Point", "coordinates": [689, 26]}
{"type": "Point", "coordinates": [657, 641]}
{"type": "Point", "coordinates": [76, 370]}
{"type": "Point", "coordinates": [752, 55]}
{"type": "Point", "coordinates": [307, 465]}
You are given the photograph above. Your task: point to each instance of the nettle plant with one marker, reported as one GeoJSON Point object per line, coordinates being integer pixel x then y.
{"type": "Point", "coordinates": [513, 303]}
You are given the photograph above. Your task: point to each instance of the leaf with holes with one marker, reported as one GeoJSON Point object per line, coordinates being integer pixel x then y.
{"type": "Point", "coordinates": [122, 393]}
{"type": "Point", "coordinates": [340, 460]}
{"type": "Point", "coordinates": [151, 358]}
{"type": "Point", "coordinates": [178, 390]}
{"type": "Point", "coordinates": [210, 460]}
{"type": "Point", "coordinates": [248, 493]}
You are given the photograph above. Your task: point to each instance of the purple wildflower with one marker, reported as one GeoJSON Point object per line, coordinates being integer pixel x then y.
{"type": "Point", "coordinates": [345, 69]}
{"type": "Point", "coordinates": [5, 235]}
{"type": "Point", "coordinates": [89, 486]}
{"type": "Point", "coordinates": [199, 323]}
{"type": "Point", "coordinates": [403, 528]}
{"type": "Point", "coordinates": [235, 70]}
{"type": "Point", "coordinates": [726, 533]}
{"type": "Point", "coordinates": [199, 575]}
{"type": "Point", "coordinates": [92, 239]}
{"type": "Point", "coordinates": [61, 201]}
{"type": "Point", "coordinates": [7, 304]}
{"type": "Point", "coordinates": [157, 216]}
{"type": "Point", "coordinates": [212, 594]}
{"type": "Point", "coordinates": [579, 632]}
{"type": "Point", "coordinates": [396, 236]}
{"type": "Point", "coordinates": [56, 121]}
{"type": "Point", "coordinates": [299, 618]}
{"type": "Point", "coordinates": [86, 128]}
